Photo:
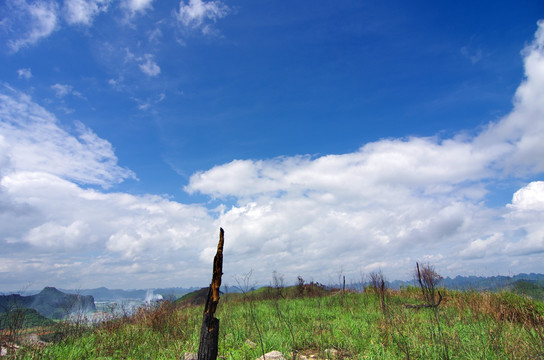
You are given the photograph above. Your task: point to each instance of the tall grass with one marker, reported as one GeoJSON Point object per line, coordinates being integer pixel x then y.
{"type": "Point", "coordinates": [471, 325]}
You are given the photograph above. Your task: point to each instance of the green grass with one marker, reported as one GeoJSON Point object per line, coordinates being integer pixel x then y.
{"type": "Point", "coordinates": [467, 325]}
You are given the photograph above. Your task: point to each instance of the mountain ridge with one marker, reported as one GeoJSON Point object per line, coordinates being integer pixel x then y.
{"type": "Point", "coordinates": [50, 302]}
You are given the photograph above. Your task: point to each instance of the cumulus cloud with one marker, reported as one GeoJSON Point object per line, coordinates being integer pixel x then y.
{"type": "Point", "coordinates": [515, 142]}
{"type": "Point", "coordinates": [62, 224]}
{"type": "Point", "coordinates": [525, 218]}
{"type": "Point", "coordinates": [83, 11]}
{"type": "Point", "coordinates": [32, 22]}
{"type": "Point", "coordinates": [197, 13]}
{"type": "Point", "coordinates": [24, 73]}
{"type": "Point", "coordinates": [530, 197]}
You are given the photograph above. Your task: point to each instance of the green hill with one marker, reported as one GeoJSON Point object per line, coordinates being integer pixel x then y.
{"type": "Point", "coordinates": [28, 318]}
{"type": "Point", "coordinates": [196, 297]}
{"type": "Point", "coordinates": [529, 288]}
{"type": "Point", "coordinates": [49, 302]}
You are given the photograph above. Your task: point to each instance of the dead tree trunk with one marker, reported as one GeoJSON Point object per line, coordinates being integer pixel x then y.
{"type": "Point", "coordinates": [209, 333]}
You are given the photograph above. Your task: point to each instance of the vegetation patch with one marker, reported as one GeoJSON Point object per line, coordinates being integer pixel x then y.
{"type": "Point", "coordinates": [351, 325]}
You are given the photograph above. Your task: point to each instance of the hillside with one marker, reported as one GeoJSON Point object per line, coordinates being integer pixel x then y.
{"type": "Point", "coordinates": [29, 318]}
{"type": "Point", "coordinates": [324, 325]}
{"type": "Point", "coordinates": [197, 297]}
{"type": "Point", "coordinates": [49, 302]}
{"type": "Point", "coordinates": [529, 288]}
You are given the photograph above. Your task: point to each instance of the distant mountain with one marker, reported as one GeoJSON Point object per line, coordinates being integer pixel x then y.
{"type": "Point", "coordinates": [479, 283]}
{"type": "Point", "coordinates": [49, 302]}
{"type": "Point", "coordinates": [105, 294]}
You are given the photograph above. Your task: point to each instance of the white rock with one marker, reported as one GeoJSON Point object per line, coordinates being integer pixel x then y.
{"type": "Point", "coordinates": [273, 355]}
{"type": "Point", "coordinates": [190, 356]}
{"type": "Point", "coordinates": [331, 353]}
{"type": "Point", "coordinates": [250, 343]}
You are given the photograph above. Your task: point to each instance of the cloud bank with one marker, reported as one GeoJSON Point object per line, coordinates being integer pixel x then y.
{"type": "Point", "coordinates": [59, 223]}
{"type": "Point", "coordinates": [395, 201]}
{"type": "Point", "coordinates": [388, 204]}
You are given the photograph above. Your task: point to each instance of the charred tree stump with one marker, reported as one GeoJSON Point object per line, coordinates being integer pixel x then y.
{"type": "Point", "coordinates": [209, 333]}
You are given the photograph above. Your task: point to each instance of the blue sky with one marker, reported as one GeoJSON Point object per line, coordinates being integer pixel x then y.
{"type": "Point", "coordinates": [324, 137]}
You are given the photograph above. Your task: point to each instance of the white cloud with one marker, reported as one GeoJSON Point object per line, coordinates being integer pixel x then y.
{"type": "Point", "coordinates": [62, 90]}
{"type": "Point", "coordinates": [33, 22]}
{"type": "Point", "coordinates": [38, 143]}
{"type": "Point", "coordinates": [197, 13]}
{"type": "Point", "coordinates": [84, 11]}
{"type": "Point", "coordinates": [61, 223]}
{"type": "Point", "coordinates": [515, 143]}
{"type": "Point", "coordinates": [146, 63]}
{"type": "Point", "coordinates": [148, 66]}
{"type": "Point", "coordinates": [416, 162]}
{"type": "Point", "coordinates": [530, 197]}
{"type": "Point", "coordinates": [525, 218]}
{"type": "Point", "coordinates": [479, 248]}
{"type": "Point", "coordinates": [24, 73]}
{"type": "Point", "coordinates": [134, 7]}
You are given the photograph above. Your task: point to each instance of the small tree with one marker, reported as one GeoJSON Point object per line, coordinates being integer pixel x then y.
{"type": "Point", "coordinates": [14, 316]}
{"type": "Point", "coordinates": [300, 285]}
{"type": "Point", "coordinates": [379, 286]}
{"type": "Point", "coordinates": [277, 283]}
{"type": "Point", "coordinates": [428, 280]}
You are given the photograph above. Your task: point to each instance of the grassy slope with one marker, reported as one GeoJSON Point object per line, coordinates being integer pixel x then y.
{"type": "Point", "coordinates": [30, 317]}
{"type": "Point", "coordinates": [529, 288]}
{"type": "Point", "coordinates": [470, 325]}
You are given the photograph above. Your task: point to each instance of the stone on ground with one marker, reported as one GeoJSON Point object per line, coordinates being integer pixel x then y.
{"type": "Point", "coordinates": [273, 355]}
